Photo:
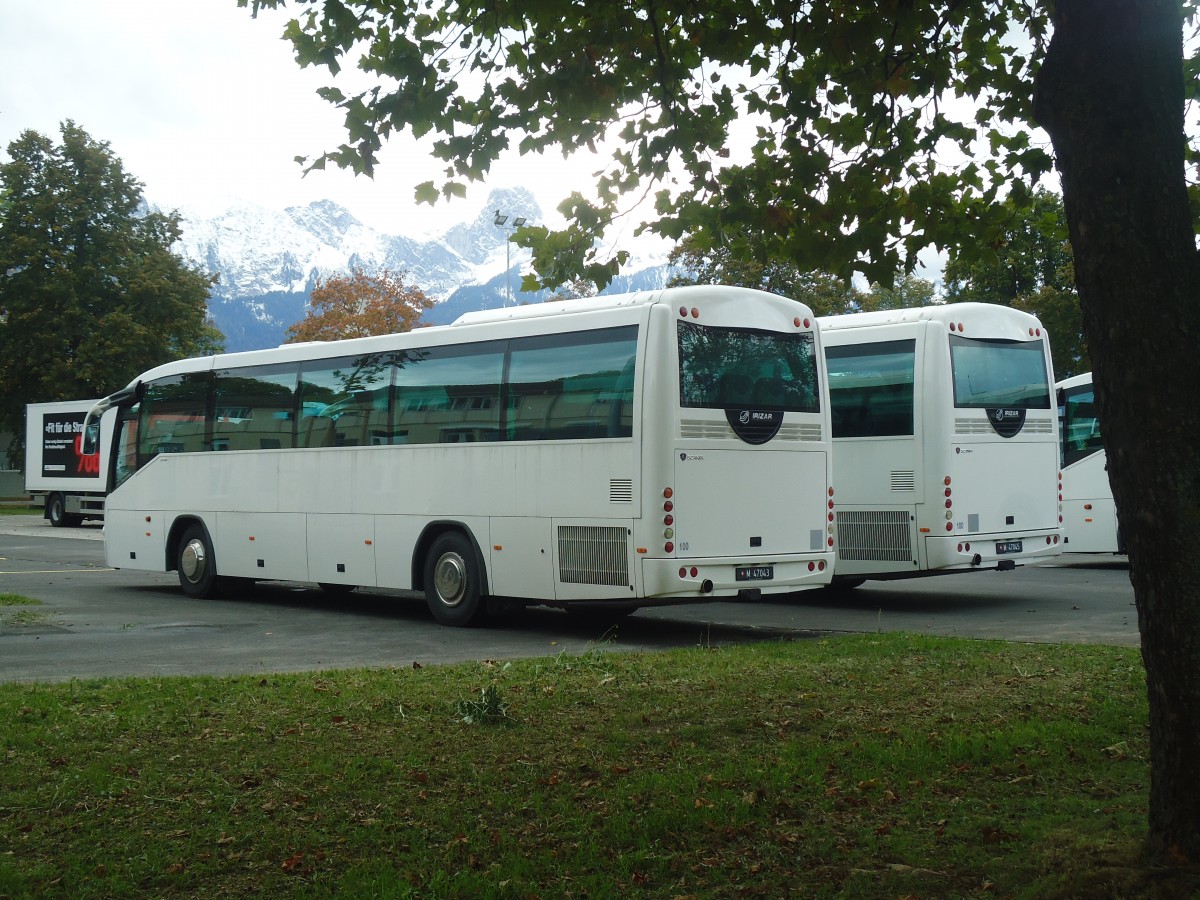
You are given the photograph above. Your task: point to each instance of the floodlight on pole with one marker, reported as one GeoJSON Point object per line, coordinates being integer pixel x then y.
{"type": "Point", "coordinates": [501, 221]}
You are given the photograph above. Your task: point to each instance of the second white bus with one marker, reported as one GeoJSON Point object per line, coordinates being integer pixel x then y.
{"type": "Point", "coordinates": [945, 441]}
{"type": "Point", "coordinates": [650, 448]}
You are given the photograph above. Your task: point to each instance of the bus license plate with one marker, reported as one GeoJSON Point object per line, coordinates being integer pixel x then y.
{"type": "Point", "coordinates": [754, 573]}
{"type": "Point", "coordinates": [1008, 547]}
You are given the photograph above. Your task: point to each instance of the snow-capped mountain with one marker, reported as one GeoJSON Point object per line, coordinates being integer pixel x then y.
{"type": "Point", "coordinates": [267, 262]}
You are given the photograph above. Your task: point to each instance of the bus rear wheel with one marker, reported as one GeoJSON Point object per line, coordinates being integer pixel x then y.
{"type": "Point", "coordinates": [453, 582]}
{"type": "Point", "coordinates": [196, 563]}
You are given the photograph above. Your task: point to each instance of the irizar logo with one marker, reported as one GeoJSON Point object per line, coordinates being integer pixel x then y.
{"type": "Point", "coordinates": [753, 417]}
{"type": "Point", "coordinates": [754, 426]}
{"type": "Point", "coordinates": [1006, 421]}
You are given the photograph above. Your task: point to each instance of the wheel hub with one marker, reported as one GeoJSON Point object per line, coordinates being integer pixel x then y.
{"type": "Point", "coordinates": [450, 579]}
{"type": "Point", "coordinates": [193, 560]}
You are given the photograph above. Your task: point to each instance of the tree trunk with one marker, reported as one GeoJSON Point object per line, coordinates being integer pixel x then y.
{"type": "Point", "coordinates": [1110, 94]}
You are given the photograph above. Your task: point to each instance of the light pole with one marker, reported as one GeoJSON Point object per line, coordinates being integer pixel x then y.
{"type": "Point", "coordinates": [499, 222]}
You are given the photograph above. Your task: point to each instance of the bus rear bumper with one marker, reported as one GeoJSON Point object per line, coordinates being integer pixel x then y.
{"type": "Point", "coordinates": [991, 551]}
{"type": "Point", "coordinates": [710, 578]}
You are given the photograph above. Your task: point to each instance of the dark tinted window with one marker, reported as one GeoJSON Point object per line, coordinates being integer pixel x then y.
{"type": "Point", "coordinates": [254, 408]}
{"type": "Point", "coordinates": [172, 415]}
{"type": "Point", "coordinates": [722, 368]}
{"type": "Point", "coordinates": [344, 402]}
{"type": "Point", "coordinates": [448, 395]}
{"type": "Point", "coordinates": [1080, 425]}
{"type": "Point", "coordinates": [999, 373]}
{"type": "Point", "coordinates": [871, 388]}
{"type": "Point", "coordinates": [569, 386]}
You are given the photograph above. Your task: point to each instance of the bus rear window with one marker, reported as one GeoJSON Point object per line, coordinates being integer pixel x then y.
{"type": "Point", "coordinates": [999, 373]}
{"type": "Point", "coordinates": [721, 368]}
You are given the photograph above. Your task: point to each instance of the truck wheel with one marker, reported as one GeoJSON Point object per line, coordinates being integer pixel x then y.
{"type": "Point", "coordinates": [453, 582]}
{"type": "Point", "coordinates": [56, 511]}
{"type": "Point", "coordinates": [196, 563]}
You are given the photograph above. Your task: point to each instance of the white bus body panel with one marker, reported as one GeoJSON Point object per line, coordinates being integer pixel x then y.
{"type": "Point", "coordinates": [1089, 512]}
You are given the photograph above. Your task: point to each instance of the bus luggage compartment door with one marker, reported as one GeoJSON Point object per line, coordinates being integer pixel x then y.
{"type": "Point", "coordinates": [752, 502]}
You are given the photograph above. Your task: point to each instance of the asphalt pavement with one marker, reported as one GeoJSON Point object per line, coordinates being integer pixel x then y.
{"type": "Point", "coordinates": [93, 621]}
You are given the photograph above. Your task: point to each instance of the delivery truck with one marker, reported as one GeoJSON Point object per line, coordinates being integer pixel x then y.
{"type": "Point", "coordinates": [72, 483]}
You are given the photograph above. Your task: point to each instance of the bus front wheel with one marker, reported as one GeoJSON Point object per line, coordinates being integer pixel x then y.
{"type": "Point", "coordinates": [453, 581]}
{"type": "Point", "coordinates": [196, 564]}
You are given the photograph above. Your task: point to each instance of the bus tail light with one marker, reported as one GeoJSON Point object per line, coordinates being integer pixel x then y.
{"type": "Point", "coordinates": [831, 518]}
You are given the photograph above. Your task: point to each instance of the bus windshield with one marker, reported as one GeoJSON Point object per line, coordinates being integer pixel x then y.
{"type": "Point", "coordinates": [720, 368]}
{"type": "Point", "coordinates": [999, 373]}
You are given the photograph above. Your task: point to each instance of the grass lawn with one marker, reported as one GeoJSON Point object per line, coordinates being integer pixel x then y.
{"type": "Point", "coordinates": [859, 766]}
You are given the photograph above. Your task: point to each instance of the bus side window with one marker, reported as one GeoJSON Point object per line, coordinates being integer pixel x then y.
{"type": "Point", "coordinates": [172, 416]}
{"type": "Point", "coordinates": [871, 388]}
{"type": "Point", "coordinates": [563, 386]}
{"type": "Point", "coordinates": [255, 407]}
{"type": "Point", "coordinates": [448, 395]}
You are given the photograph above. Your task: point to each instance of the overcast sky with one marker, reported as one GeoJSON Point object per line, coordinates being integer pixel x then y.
{"type": "Point", "coordinates": [206, 106]}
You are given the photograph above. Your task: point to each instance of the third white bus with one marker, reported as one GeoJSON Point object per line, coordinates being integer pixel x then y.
{"type": "Point", "coordinates": [661, 447]}
{"type": "Point", "coordinates": [1089, 512]}
{"type": "Point", "coordinates": [945, 441]}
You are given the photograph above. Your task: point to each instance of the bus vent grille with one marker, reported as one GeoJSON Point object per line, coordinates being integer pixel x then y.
{"type": "Point", "coordinates": [806, 431]}
{"type": "Point", "coordinates": [620, 490]}
{"type": "Point", "coordinates": [874, 534]}
{"type": "Point", "coordinates": [983, 426]}
{"type": "Point", "coordinates": [696, 429]}
{"type": "Point", "coordinates": [904, 481]}
{"type": "Point", "coordinates": [593, 554]}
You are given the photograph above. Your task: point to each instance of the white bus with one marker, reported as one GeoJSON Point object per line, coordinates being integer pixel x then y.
{"type": "Point", "coordinates": [945, 441]}
{"type": "Point", "coordinates": [642, 449]}
{"type": "Point", "coordinates": [1089, 513]}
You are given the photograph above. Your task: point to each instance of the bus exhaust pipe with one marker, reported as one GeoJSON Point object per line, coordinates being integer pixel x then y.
{"type": "Point", "coordinates": [706, 586]}
{"type": "Point", "coordinates": [976, 559]}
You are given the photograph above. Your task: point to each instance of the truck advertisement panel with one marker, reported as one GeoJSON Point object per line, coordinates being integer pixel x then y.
{"type": "Point", "coordinates": [62, 447]}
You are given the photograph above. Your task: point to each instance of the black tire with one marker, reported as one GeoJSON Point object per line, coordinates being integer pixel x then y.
{"type": "Point", "coordinates": [454, 582]}
{"type": "Point", "coordinates": [56, 512]}
{"type": "Point", "coordinates": [196, 563]}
